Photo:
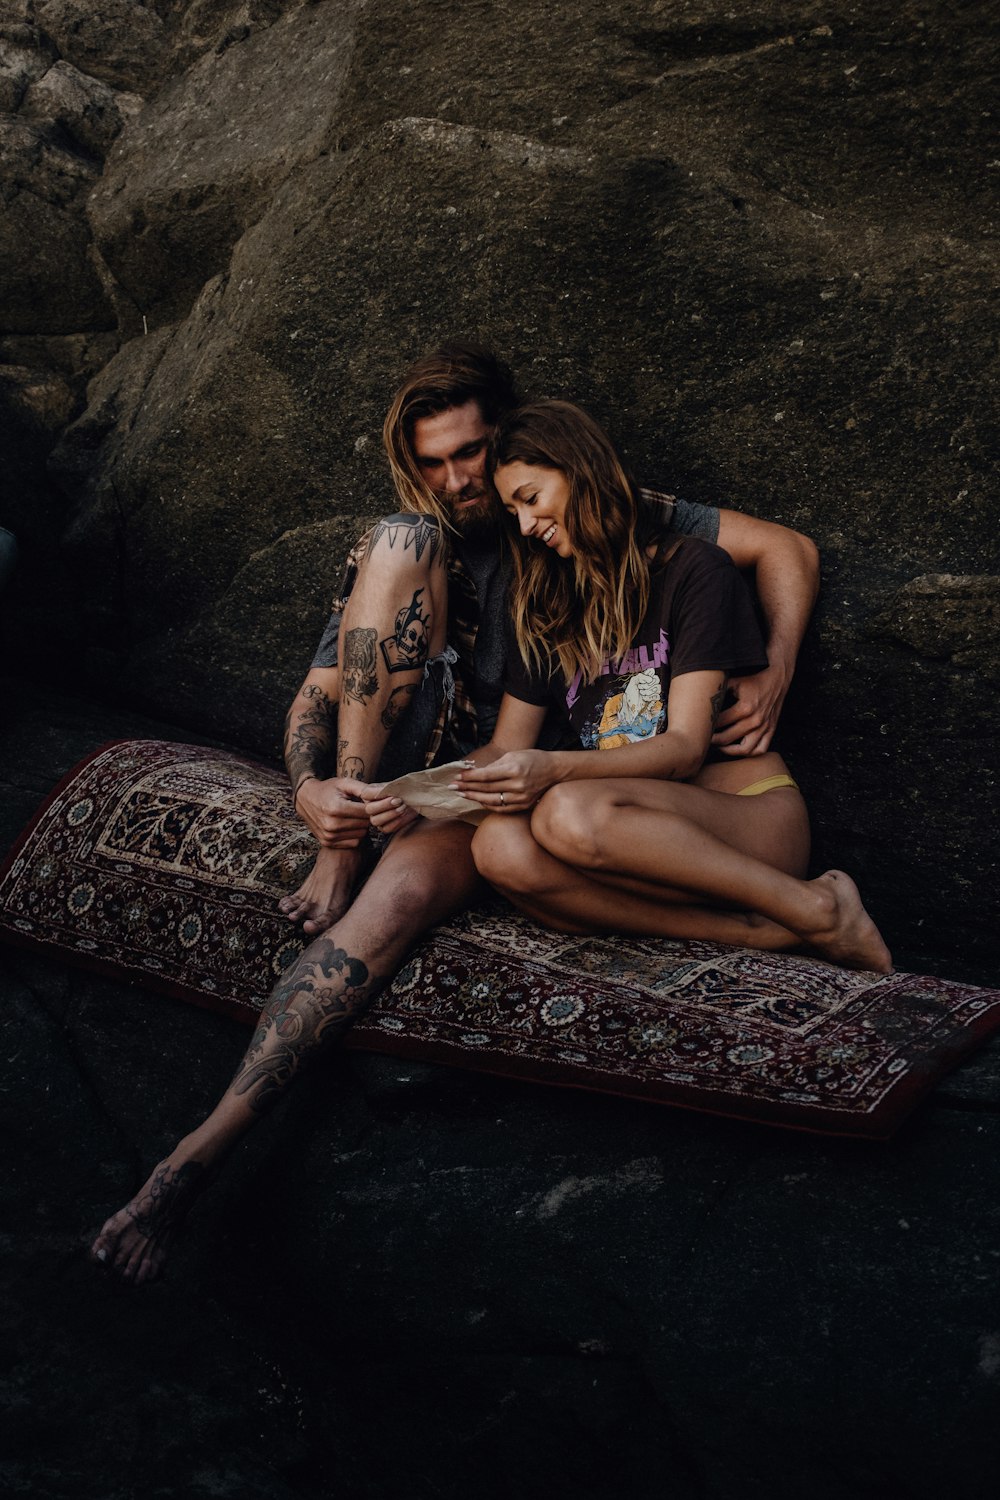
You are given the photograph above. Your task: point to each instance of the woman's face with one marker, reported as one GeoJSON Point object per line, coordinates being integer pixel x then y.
{"type": "Point", "coordinates": [537, 498]}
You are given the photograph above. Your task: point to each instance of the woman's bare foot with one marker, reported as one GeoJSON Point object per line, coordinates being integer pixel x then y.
{"type": "Point", "coordinates": [134, 1241]}
{"type": "Point", "coordinates": [847, 935]}
{"type": "Point", "coordinates": [767, 936]}
{"type": "Point", "coordinates": [326, 892]}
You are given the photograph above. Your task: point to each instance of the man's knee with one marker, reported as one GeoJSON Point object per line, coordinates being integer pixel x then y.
{"type": "Point", "coordinates": [416, 880]}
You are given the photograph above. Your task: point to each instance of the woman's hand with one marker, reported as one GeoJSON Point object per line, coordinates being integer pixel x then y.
{"type": "Point", "coordinates": [387, 814]}
{"type": "Point", "coordinates": [513, 783]}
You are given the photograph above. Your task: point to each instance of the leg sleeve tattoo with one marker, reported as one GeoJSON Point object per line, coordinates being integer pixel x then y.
{"type": "Point", "coordinates": [323, 994]}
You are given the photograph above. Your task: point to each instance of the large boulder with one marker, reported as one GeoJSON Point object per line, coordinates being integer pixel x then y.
{"type": "Point", "coordinates": [203, 161]}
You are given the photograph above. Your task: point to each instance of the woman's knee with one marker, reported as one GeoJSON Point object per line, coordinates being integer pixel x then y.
{"type": "Point", "coordinates": [505, 853]}
{"type": "Point", "coordinates": [574, 823]}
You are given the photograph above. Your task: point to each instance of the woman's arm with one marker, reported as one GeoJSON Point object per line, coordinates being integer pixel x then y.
{"type": "Point", "coordinates": [523, 775]}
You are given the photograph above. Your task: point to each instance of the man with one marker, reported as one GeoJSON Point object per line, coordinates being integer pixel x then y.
{"type": "Point", "coordinates": [409, 673]}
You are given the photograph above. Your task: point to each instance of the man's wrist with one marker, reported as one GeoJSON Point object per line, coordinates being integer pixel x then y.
{"type": "Point", "coordinates": [298, 787]}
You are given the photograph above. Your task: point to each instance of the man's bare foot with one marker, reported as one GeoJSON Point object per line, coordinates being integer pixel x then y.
{"type": "Point", "coordinates": [134, 1241]}
{"type": "Point", "coordinates": [326, 892]}
{"type": "Point", "coordinates": [847, 934]}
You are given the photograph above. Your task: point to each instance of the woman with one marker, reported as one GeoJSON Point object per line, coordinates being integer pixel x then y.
{"type": "Point", "coordinates": [635, 634]}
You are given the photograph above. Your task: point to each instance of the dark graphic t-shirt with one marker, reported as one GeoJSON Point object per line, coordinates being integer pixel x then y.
{"type": "Point", "coordinates": [699, 619]}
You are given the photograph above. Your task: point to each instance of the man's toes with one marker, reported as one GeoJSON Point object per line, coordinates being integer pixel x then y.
{"type": "Point", "coordinates": [132, 1265]}
{"type": "Point", "coordinates": [149, 1266]}
{"type": "Point", "coordinates": [107, 1247]}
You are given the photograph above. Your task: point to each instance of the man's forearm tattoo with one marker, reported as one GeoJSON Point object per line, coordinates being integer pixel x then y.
{"type": "Point", "coordinates": [407, 647]}
{"type": "Point", "coordinates": [312, 1007]}
{"type": "Point", "coordinates": [360, 673]}
{"type": "Point", "coordinates": [354, 767]}
{"type": "Point", "coordinates": [399, 702]}
{"type": "Point", "coordinates": [309, 736]}
{"type": "Point", "coordinates": [411, 533]}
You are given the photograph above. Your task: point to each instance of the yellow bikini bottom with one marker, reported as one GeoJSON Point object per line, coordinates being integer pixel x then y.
{"type": "Point", "coordinates": [768, 784]}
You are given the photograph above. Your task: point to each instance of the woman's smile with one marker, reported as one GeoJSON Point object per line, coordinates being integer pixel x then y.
{"type": "Point", "coordinates": [537, 499]}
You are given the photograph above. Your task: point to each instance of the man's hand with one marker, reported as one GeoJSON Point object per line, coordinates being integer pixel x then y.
{"type": "Point", "coordinates": [333, 810]}
{"type": "Point", "coordinates": [747, 726]}
{"type": "Point", "coordinates": [387, 814]}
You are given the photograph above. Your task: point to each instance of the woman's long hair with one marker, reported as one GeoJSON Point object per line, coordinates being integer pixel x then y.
{"type": "Point", "coordinates": [575, 613]}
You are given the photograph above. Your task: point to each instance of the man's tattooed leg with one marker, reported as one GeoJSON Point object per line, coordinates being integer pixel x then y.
{"type": "Point", "coordinates": [134, 1242]}
{"type": "Point", "coordinates": [311, 1008]}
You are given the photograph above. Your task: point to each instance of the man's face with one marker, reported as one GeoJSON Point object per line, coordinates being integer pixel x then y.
{"type": "Point", "coordinates": [450, 450]}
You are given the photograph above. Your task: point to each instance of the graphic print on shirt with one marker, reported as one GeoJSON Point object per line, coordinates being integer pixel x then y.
{"type": "Point", "coordinates": [632, 709]}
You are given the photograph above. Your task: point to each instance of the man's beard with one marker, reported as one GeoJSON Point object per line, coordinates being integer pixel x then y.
{"type": "Point", "coordinates": [472, 520]}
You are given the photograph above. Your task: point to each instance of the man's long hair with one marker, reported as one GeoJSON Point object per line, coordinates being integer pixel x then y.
{"type": "Point", "coordinates": [457, 372]}
{"type": "Point", "coordinates": [575, 613]}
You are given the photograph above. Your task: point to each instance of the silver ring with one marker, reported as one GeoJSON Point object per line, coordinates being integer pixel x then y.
{"type": "Point", "coordinates": [502, 802]}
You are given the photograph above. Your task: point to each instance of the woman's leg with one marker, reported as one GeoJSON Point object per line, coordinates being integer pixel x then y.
{"type": "Point", "coordinates": [661, 837]}
{"type": "Point", "coordinates": [570, 900]}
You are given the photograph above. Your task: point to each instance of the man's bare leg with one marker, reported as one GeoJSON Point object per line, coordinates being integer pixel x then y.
{"type": "Point", "coordinates": [426, 874]}
{"type": "Point", "coordinates": [395, 620]}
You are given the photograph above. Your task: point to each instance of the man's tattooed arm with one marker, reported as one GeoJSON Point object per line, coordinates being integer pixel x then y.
{"type": "Point", "coordinates": [360, 670]}
{"type": "Point", "coordinates": [310, 736]}
{"type": "Point", "coordinates": [399, 702]}
{"type": "Point", "coordinates": [411, 533]}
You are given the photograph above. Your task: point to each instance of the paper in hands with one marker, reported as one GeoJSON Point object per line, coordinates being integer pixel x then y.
{"type": "Point", "coordinates": [429, 793]}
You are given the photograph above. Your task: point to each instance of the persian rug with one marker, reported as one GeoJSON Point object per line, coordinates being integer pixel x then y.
{"type": "Point", "coordinates": [162, 863]}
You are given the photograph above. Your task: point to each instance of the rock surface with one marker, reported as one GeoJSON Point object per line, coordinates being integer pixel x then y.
{"type": "Point", "coordinates": [759, 245]}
